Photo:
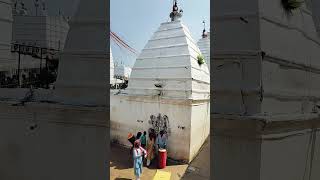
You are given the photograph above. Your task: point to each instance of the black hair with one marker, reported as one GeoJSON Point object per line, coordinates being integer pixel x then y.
{"type": "Point", "coordinates": [144, 133]}
{"type": "Point", "coordinates": [138, 135]}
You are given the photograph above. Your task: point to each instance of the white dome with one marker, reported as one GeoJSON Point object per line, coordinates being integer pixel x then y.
{"type": "Point", "coordinates": [168, 63]}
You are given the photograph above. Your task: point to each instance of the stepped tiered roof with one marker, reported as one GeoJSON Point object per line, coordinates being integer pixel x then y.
{"type": "Point", "coordinates": [168, 65]}
{"type": "Point", "coordinates": [204, 46]}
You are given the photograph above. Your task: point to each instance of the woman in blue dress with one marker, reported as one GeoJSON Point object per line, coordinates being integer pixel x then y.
{"type": "Point", "coordinates": [138, 153]}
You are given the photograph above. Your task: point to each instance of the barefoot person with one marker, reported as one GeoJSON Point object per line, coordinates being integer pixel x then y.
{"type": "Point", "coordinates": [138, 153]}
{"type": "Point", "coordinates": [162, 140]}
{"type": "Point", "coordinates": [150, 148]}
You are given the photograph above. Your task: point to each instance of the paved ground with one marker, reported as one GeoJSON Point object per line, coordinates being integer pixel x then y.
{"type": "Point", "coordinates": [199, 168]}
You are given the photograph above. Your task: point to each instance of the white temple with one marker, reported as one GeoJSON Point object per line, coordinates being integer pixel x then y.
{"type": "Point", "coordinates": [112, 80]}
{"type": "Point", "coordinates": [122, 71]}
{"type": "Point", "coordinates": [170, 60]}
{"type": "Point", "coordinates": [204, 46]}
{"type": "Point", "coordinates": [167, 85]}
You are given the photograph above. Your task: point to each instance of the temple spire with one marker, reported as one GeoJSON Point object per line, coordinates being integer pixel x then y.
{"type": "Point", "coordinates": [204, 33]}
{"type": "Point", "coordinates": [175, 14]}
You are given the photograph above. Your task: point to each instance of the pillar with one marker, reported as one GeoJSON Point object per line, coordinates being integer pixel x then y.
{"type": "Point", "coordinates": [82, 77]}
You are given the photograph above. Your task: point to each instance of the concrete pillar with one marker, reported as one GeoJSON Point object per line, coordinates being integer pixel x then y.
{"type": "Point", "coordinates": [265, 104]}
{"type": "Point", "coordinates": [83, 68]}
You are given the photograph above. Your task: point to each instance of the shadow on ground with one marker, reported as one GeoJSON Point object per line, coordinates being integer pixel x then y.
{"type": "Point", "coordinates": [121, 164]}
{"type": "Point", "coordinates": [120, 157]}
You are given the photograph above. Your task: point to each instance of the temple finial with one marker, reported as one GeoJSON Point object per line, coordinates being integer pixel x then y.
{"type": "Point", "coordinates": [175, 14]}
{"type": "Point", "coordinates": [204, 33]}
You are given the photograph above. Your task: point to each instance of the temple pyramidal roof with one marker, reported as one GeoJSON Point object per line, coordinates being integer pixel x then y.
{"type": "Point", "coordinates": [168, 66]}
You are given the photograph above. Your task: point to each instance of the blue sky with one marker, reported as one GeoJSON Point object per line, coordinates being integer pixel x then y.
{"type": "Point", "coordinates": [136, 20]}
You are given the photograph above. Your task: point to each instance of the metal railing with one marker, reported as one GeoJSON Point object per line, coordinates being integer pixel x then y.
{"type": "Point", "coordinates": [46, 75]}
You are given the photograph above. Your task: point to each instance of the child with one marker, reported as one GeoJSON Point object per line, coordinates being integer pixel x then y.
{"type": "Point", "coordinates": [138, 153]}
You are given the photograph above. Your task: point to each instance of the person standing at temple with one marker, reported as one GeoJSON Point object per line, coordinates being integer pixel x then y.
{"type": "Point", "coordinates": [150, 148]}
{"type": "Point", "coordinates": [162, 140]}
{"type": "Point", "coordinates": [143, 139]}
{"type": "Point", "coordinates": [138, 153]}
{"type": "Point", "coordinates": [139, 135]}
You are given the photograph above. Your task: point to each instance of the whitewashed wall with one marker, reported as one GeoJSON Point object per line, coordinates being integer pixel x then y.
{"type": "Point", "coordinates": [291, 66]}
{"type": "Point", "coordinates": [130, 114]}
{"type": "Point", "coordinates": [68, 143]}
{"type": "Point", "coordinates": [189, 122]}
{"type": "Point", "coordinates": [285, 75]}
{"type": "Point", "coordinates": [236, 63]}
{"type": "Point", "coordinates": [266, 84]}
{"type": "Point", "coordinates": [200, 126]}
{"type": "Point", "coordinates": [293, 157]}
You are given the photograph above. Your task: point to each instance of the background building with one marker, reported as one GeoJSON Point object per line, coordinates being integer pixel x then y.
{"type": "Point", "coordinates": [168, 90]}
{"type": "Point", "coordinates": [45, 33]}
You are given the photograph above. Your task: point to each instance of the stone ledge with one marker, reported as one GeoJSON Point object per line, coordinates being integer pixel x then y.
{"type": "Point", "coordinates": [262, 124]}
{"type": "Point", "coordinates": [56, 113]}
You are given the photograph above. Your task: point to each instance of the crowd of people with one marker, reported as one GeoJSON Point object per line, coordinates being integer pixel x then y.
{"type": "Point", "coordinates": [28, 80]}
{"type": "Point", "coordinates": [8, 81]}
{"type": "Point", "coordinates": [145, 149]}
